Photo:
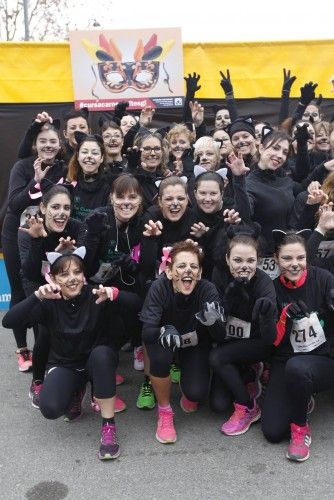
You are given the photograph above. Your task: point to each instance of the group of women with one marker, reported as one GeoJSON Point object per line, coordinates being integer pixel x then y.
{"type": "Point", "coordinates": [209, 252]}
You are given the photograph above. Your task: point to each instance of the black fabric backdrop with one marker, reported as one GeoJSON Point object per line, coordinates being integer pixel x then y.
{"type": "Point", "coordinates": [15, 118]}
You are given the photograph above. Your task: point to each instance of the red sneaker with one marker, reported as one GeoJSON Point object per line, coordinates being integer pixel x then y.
{"type": "Point", "coordinates": [24, 359]}
{"type": "Point", "coordinates": [299, 447]}
{"type": "Point", "coordinates": [187, 405]}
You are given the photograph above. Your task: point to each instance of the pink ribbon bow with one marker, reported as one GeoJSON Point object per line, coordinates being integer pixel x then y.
{"type": "Point", "coordinates": [165, 259]}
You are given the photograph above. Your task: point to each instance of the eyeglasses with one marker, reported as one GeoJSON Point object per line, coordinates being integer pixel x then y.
{"type": "Point", "coordinates": [148, 149]}
{"type": "Point", "coordinates": [107, 137]}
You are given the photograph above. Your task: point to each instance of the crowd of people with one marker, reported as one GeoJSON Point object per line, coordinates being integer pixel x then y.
{"type": "Point", "coordinates": [207, 252]}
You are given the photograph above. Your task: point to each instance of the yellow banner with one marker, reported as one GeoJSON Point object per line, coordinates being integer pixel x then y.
{"type": "Point", "coordinates": [41, 72]}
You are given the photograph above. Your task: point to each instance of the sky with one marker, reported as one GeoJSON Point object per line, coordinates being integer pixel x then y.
{"type": "Point", "coordinates": [214, 20]}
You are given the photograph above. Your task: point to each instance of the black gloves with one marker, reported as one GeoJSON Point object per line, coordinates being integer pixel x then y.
{"type": "Point", "coordinates": [211, 312]}
{"type": "Point", "coordinates": [192, 84]}
{"type": "Point", "coordinates": [307, 93]}
{"type": "Point", "coordinates": [226, 84]}
{"type": "Point", "coordinates": [301, 133]}
{"type": "Point", "coordinates": [96, 222]}
{"type": "Point", "coordinates": [169, 337]}
{"type": "Point", "coordinates": [297, 310]}
{"type": "Point", "coordinates": [127, 264]}
{"type": "Point", "coordinates": [133, 156]}
{"type": "Point", "coordinates": [119, 111]}
{"type": "Point", "coordinates": [288, 81]}
{"type": "Point", "coordinates": [264, 311]}
{"type": "Point", "coordinates": [237, 290]}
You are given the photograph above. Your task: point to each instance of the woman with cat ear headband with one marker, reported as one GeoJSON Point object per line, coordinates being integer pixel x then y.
{"type": "Point", "coordinates": [87, 169]}
{"type": "Point", "coordinates": [83, 342]}
{"type": "Point", "coordinates": [302, 361]}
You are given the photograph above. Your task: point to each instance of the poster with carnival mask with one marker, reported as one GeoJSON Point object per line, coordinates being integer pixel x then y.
{"type": "Point", "coordinates": [143, 67]}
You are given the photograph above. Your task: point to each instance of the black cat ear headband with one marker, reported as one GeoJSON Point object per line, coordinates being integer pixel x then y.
{"type": "Point", "coordinates": [279, 235]}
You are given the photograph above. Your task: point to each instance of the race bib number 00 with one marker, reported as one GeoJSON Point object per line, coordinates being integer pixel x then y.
{"type": "Point", "coordinates": [189, 339]}
{"type": "Point", "coordinates": [307, 334]}
{"type": "Point", "coordinates": [237, 328]}
{"type": "Point", "coordinates": [269, 266]}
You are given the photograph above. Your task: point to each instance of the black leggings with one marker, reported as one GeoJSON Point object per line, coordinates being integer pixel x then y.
{"type": "Point", "coordinates": [226, 362]}
{"type": "Point", "coordinates": [289, 390]}
{"type": "Point", "coordinates": [61, 383]}
{"type": "Point", "coordinates": [194, 364]}
{"type": "Point", "coordinates": [13, 265]}
{"type": "Point", "coordinates": [126, 311]}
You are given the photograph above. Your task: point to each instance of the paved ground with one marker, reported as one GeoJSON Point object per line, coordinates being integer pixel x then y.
{"type": "Point", "coordinates": [52, 460]}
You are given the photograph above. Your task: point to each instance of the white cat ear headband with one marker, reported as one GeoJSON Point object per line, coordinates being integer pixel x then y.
{"type": "Point", "coordinates": [53, 256]}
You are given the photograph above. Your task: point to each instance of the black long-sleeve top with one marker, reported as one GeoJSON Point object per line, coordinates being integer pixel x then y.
{"type": "Point", "coordinates": [76, 326]}
{"type": "Point", "coordinates": [89, 195]}
{"type": "Point", "coordinates": [33, 250]}
{"type": "Point", "coordinates": [268, 199]}
{"type": "Point", "coordinates": [21, 183]}
{"type": "Point", "coordinates": [111, 244]}
{"type": "Point", "coordinates": [163, 306]}
{"type": "Point", "coordinates": [259, 286]}
{"type": "Point", "coordinates": [315, 293]}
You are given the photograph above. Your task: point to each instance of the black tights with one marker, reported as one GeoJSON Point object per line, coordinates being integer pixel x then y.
{"type": "Point", "coordinates": [227, 362]}
{"type": "Point", "coordinates": [289, 390]}
{"type": "Point", "coordinates": [194, 364]}
{"type": "Point", "coordinates": [13, 266]}
{"type": "Point", "coordinates": [61, 383]}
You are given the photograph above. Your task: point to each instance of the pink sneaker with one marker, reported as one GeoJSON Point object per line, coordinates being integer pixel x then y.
{"type": "Point", "coordinates": [120, 405]}
{"type": "Point", "coordinates": [187, 405]}
{"type": "Point", "coordinates": [254, 388]}
{"type": "Point", "coordinates": [165, 429]}
{"type": "Point", "coordinates": [138, 358]}
{"type": "Point", "coordinates": [119, 379]}
{"type": "Point", "coordinates": [24, 359]}
{"type": "Point", "coordinates": [241, 419]}
{"type": "Point", "coordinates": [299, 443]}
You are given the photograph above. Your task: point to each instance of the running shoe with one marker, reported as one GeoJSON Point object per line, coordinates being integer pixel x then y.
{"type": "Point", "coordinates": [119, 379]}
{"type": "Point", "coordinates": [146, 398]}
{"type": "Point", "coordinates": [299, 447]}
{"type": "Point", "coordinates": [35, 389]}
{"type": "Point", "coordinates": [138, 358]}
{"type": "Point", "coordinates": [24, 359]}
{"type": "Point", "coordinates": [165, 429]}
{"type": "Point", "coordinates": [241, 419]}
{"type": "Point", "coordinates": [254, 388]}
{"type": "Point", "coordinates": [109, 448]}
{"type": "Point", "coordinates": [175, 374]}
{"type": "Point", "coordinates": [187, 405]}
{"type": "Point", "coordinates": [120, 405]}
{"type": "Point", "coordinates": [75, 409]}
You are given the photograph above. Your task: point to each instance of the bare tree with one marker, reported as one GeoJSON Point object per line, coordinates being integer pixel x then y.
{"type": "Point", "coordinates": [49, 19]}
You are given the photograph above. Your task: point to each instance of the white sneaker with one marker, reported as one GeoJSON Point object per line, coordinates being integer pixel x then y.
{"type": "Point", "coordinates": [138, 361]}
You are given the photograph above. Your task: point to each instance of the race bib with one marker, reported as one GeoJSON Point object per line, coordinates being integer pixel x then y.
{"type": "Point", "coordinates": [189, 339]}
{"type": "Point", "coordinates": [269, 266]}
{"type": "Point", "coordinates": [307, 334]}
{"type": "Point", "coordinates": [325, 250]}
{"type": "Point", "coordinates": [237, 328]}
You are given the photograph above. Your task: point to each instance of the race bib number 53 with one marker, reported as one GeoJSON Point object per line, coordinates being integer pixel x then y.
{"type": "Point", "coordinates": [307, 334]}
{"type": "Point", "coordinates": [269, 266]}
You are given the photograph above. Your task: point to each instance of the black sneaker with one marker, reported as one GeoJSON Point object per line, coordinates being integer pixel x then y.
{"type": "Point", "coordinates": [75, 409]}
{"type": "Point", "coordinates": [109, 448]}
{"type": "Point", "coordinates": [35, 389]}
